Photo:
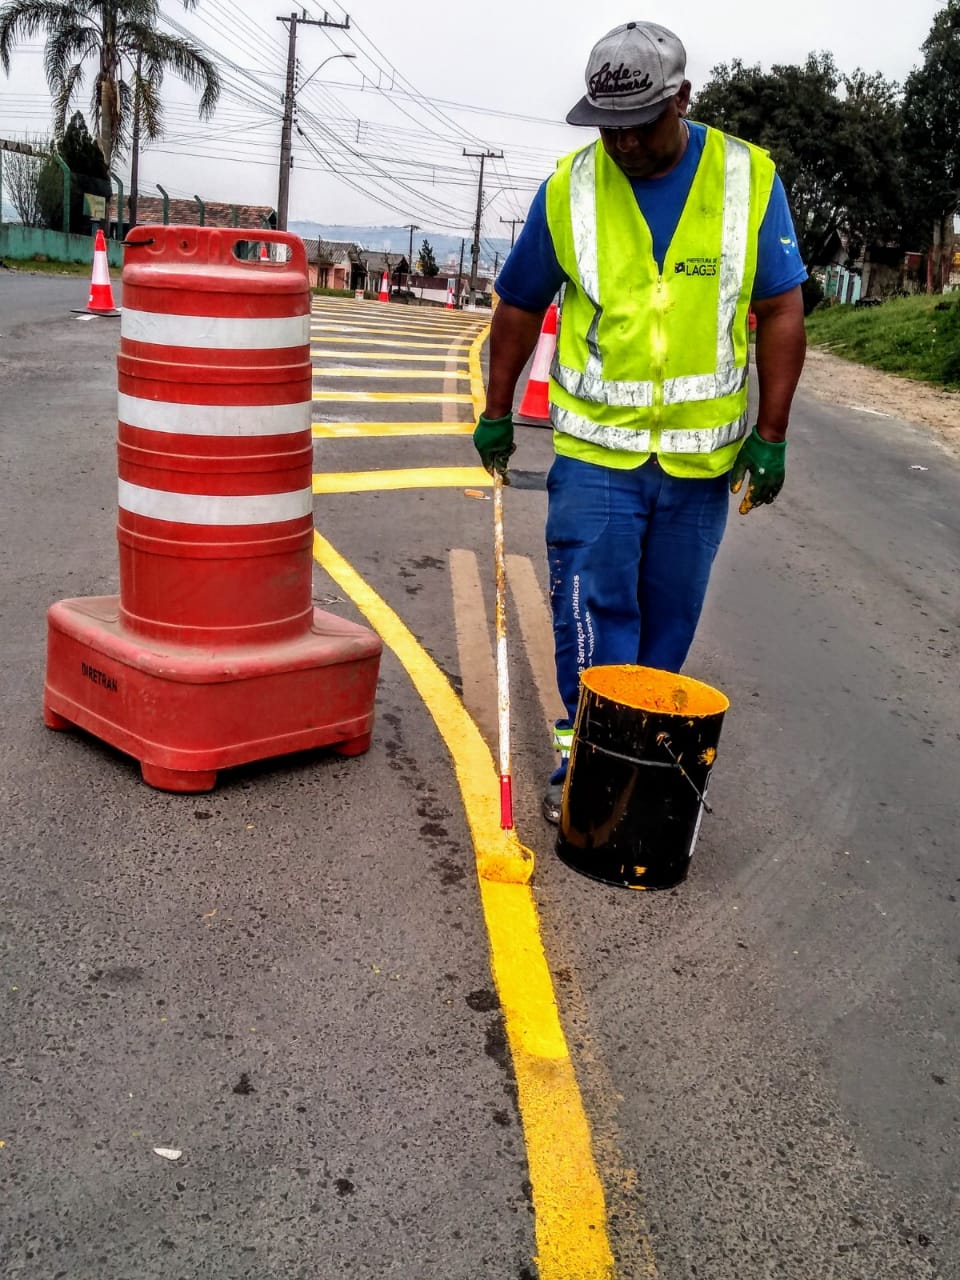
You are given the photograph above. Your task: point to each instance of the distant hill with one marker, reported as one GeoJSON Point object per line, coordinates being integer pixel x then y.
{"type": "Point", "coordinates": [446, 248]}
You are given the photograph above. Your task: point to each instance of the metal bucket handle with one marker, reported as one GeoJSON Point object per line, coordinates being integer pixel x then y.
{"type": "Point", "coordinates": [663, 740]}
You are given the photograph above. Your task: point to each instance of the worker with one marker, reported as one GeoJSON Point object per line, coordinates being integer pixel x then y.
{"type": "Point", "coordinates": [660, 236]}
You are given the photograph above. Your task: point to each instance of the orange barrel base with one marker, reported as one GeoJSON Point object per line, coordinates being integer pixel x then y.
{"type": "Point", "coordinates": [644, 743]}
{"type": "Point", "coordinates": [186, 713]}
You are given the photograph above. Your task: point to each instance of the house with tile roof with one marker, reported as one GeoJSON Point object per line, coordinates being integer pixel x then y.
{"type": "Point", "coordinates": [205, 213]}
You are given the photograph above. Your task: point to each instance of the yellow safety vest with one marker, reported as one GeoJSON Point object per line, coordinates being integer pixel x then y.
{"type": "Point", "coordinates": [650, 363]}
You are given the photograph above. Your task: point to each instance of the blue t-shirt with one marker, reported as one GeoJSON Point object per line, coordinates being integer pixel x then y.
{"type": "Point", "coordinates": [531, 275]}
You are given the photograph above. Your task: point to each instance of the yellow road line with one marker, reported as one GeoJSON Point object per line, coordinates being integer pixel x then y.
{"type": "Point", "coordinates": [459, 357]}
{"type": "Point", "coordinates": [570, 1215]}
{"type": "Point", "coordinates": [378, 325]}
{"type": "Point", "coordinates": [385, 337]}
{"type": "Point", "coordinates": [458, 346]}
{"type": "Point", "coordinates": [420, 319]}
{"type": "Point", "coordinates": [412, 478]}
{"type": "Point", "coordinates": [391, 373]}
{"type": "Point", "coordinates": [341, 430]}
{"type": "Point", "coordinates": [393, 397]}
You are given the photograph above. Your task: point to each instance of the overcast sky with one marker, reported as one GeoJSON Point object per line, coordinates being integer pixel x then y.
{"type": "Point", "coordinates": [393, 121]}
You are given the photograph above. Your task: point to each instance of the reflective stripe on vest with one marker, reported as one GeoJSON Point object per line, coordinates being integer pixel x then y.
{"type": "Point", "coordinates": [686, 440]}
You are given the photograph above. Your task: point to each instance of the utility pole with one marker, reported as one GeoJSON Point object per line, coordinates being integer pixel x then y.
{"type": "Point", "coordinates": [411, 227]}
{"type": "Point", "coordinates": [482, 156]}
{"type": "Point", "coordinates": [496, 263]}
{"type": "Point", "coordinates": [460, 271]}
{"type": "Point", "coordinates": [513, 223]}
{"type": "Point", "coordinates": [286, 144]}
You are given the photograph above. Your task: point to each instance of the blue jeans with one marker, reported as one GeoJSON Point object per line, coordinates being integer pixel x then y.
{"type": "Point", "coordinates": [630, 554]}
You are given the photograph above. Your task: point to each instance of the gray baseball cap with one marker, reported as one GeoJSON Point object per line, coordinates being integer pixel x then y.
{"type": "Point", "coordinates": [632, 72]}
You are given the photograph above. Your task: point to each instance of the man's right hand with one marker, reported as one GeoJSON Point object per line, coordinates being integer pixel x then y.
{"type": "Point", "coordinates": [493, 439]}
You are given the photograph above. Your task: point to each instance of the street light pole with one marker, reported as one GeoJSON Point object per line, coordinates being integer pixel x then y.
{"type": "Point", "coordinates": [286, 132]}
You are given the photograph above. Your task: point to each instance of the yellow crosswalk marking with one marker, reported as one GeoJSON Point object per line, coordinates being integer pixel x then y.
{"type": "Point", "coordinates": [346, 430]}
{"type": "Point", "coordinates": [395, 397]}
{"type": "Point", "coordinates": [391, 373]}
{"type": "Point", "coordinates": [459, 346]}
{"type": "Point", "coordinates": [331, 354]}
{"type": "Point", "coordinates": [412, 478]}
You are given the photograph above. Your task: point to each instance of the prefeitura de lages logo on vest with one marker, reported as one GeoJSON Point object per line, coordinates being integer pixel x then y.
{"type": "Point", "coordinates": [697, 267]}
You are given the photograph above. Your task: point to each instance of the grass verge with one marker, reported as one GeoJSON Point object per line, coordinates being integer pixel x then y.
{"type": "Point", "coordinates": [916, 338]}
{"type": "Point", "coordinates": [48, 268]}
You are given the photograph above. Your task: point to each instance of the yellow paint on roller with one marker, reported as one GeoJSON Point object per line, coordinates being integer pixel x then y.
{"type": "Point", "coordinates": [338, 430]}
{"type": "Point", "coordinates": [414, 478]}
{"type": "Point", "coordinates": [392, 397]}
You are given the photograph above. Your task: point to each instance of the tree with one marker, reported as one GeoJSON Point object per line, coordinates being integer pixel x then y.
{"type": "Point", "coordinates": [428, 263]}
{"type": "Point", "coordinates": [931, 112]}
{"type": "Point", "coordinates": [131, 56]}
{"type": "Point", "coordinates": [836, 141]}
{"type": "Point", "coordinates": [21, 178]}
{"type": "Point", "coordinates": [81, 153]}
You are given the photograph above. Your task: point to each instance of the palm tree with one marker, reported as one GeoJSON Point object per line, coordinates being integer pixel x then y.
{"type": "Point", "coordinates": [131, 54]}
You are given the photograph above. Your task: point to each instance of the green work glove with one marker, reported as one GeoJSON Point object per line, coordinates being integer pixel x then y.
{"type": "Point", "coordinates": [767, 464]}
{"type": "Point", "coordinates": [494, 443]}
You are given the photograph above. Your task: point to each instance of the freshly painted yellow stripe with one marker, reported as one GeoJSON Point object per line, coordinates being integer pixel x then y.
{"type": "Point", "coordinates": [394, 397]}
{"type": "Point", "coordinates": [340, 430]}
{"type": "Point", "coordinates": [378, 325]}
{"type": "Point", "coordinates": [412, 478]}
{"type": "Point", "coordinates": [459, 357]}
{"type": "Point", "coordinates": [346, 339]}
{"type": "Point", "coordinates": [570, 1214]}
{"type": "Point", "coordinates": [407, 319]}
{"type": "Point", "coordinates": [391, 373]}
{"type": "Point", "coordinates": [478, 393]}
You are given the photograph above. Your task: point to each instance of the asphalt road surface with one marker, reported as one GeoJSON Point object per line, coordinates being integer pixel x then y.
{"type": "Point", "coordinates": [289, 979]}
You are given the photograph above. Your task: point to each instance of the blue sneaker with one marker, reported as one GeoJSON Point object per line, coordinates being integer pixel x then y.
{"type": "Point", "coordinates": [553, 796]}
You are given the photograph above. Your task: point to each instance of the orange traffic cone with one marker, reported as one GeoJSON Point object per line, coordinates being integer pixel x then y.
{"type": "Point", "coordinates": [450, 305]}
{"type": "Point", "coordinates": [100, 302]}
{"type": "Point", "coordinates": [385, 288]}
{"type": "Point", "coordinates": [535, 404]}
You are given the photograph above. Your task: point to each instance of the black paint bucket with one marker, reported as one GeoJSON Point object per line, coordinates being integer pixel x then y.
{"type": "Point", "coordinates": [644, 743]}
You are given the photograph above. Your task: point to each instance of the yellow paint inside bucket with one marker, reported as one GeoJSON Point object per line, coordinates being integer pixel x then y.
{"type": "Point", "coordinates": [647, 689]}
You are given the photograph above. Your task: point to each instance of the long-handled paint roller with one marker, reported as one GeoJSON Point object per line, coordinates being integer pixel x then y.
{"type": "Point", "coordinates": [503, 671]}
{"type": "Point", "coordinates": [512, 862]}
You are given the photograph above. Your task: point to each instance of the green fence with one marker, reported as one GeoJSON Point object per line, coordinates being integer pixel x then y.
{"type": "Point", "coordinates": [21, 244]}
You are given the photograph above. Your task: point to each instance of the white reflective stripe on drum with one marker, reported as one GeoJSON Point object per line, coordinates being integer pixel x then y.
{"type": "Point", "coordinates": [214, 419]}
{"type": "Point", "coordinates": [214, 509]}
{"type": "Point", "coordinates": [239, 333]}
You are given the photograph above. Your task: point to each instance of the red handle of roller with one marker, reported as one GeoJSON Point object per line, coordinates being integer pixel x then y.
{"type": "Point", "coordinates": [506, 802]}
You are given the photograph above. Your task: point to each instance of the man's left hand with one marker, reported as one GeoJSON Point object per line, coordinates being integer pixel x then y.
{"type": "Point", "coordinates": [766, 461]}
